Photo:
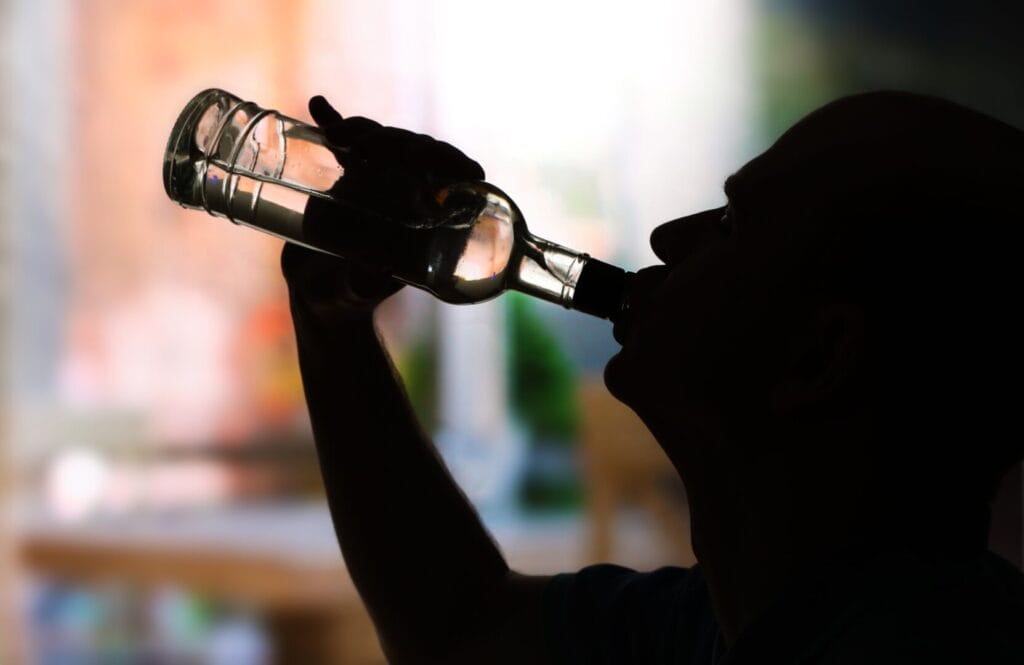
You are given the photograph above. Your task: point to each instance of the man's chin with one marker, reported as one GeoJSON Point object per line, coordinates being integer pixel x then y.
{"type": "Point", "coordinates": [615, 376]}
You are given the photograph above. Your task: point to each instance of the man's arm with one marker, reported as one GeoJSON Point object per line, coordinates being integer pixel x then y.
{"type": "Point", "coordinates": [435, 584]}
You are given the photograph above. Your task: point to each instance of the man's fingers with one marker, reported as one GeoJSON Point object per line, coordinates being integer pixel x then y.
{"type": "Point", "coordinates": [329, 283]}
{"type": "Point", "coordinates": [451, 165]}
{"type": "Point", "coordinates": [369, 285]}
{"type": "Point", "coordinates": [323, 113]}
{"type": "Point", "coordinates": [312, 272]}
{"type": "Point", "coordinates": [398, 148]}
{"type": "Point", "coordinates": [355, 132]}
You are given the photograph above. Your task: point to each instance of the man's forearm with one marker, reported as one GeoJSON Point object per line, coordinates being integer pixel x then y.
{"type": "Point", "coordinates": [417, 552]}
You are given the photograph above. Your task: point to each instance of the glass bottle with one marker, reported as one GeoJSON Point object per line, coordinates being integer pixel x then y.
{"type": "Point", "coordinates": [261, 169]}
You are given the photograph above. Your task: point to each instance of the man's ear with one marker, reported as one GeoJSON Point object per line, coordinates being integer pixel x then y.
{"type": "Point", "coordinates": [825, 358]}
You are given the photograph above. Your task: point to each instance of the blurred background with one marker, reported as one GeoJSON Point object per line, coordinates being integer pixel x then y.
{"type": "Point", "coordinates": [160, 496]}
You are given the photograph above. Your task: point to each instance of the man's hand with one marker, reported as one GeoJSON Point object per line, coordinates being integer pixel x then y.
{"type": "Point", "coordinates": [392, 171]}
{"type": "Point", "coordinates": [333, 289]}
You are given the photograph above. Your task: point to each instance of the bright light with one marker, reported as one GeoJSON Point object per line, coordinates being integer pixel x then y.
{"type": "Point", "coordinates": [75, 483]}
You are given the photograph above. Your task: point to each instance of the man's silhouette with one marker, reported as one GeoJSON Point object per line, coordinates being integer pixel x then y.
{"type": "Point", "coordinates": [831, 363]}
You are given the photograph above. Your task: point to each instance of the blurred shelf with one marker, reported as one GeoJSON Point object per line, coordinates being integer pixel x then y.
{"type": "Point", "coordinates": [276, 555]}
{"type": "Point", "coordinates": [282, 560]}
{"type": "Point", "coordinates": [281, 553]}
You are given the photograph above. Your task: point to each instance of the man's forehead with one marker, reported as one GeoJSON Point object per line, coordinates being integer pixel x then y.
{"type": "Point", "coordinates": [732, 187]}
{"type": "Point", "coordinates": [742, 189]}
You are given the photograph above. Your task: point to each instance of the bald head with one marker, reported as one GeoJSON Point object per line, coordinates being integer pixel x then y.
{"type": "Point", "coordinates": [862, 145]}
{"type": "Point", "coordinates": [911, 208]}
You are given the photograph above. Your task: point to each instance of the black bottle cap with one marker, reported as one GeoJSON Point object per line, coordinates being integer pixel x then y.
{"type": "Point", "coordinates": [601, 290]}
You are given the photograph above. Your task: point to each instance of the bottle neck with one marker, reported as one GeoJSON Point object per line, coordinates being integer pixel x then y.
{"type": "Point", "coordinates": [569, 278]}
{"type": "Point", "coordinates": [547, 271]}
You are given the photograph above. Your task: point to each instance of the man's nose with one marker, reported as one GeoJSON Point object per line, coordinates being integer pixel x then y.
{"type": "Point", "coordinates": [673, 241]}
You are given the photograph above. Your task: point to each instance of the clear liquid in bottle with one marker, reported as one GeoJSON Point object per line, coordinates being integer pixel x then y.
{"type": "Point", "coordinates": [280, 176]}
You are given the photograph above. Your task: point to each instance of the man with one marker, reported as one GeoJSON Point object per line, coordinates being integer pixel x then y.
{"type": "Point", "coordinates": [830, 361]}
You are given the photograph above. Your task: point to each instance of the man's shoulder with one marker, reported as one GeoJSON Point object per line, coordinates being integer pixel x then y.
{"type": "Point", "coordinates": [608, 613]}
{"type": "Point", "coordinates": [615, 595]}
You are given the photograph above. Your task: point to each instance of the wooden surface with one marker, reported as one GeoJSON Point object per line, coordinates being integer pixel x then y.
{"type": "Point", "coordinates": [281, 560]}
{"type": "Point", "coordinates": [284, 562]}
{"type": "Point", "coordinates": [10, 646]}
{"type": "Point", "coordinates": [625, 468]}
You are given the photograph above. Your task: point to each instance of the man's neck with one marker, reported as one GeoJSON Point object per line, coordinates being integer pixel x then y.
{"type": "Point", "coordinates": [756, 532]}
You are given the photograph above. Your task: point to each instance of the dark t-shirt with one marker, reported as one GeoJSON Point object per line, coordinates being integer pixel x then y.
{"type": "Point", "coordinates": [896, 607]}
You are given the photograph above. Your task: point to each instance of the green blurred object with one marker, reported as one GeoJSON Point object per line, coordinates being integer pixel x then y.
{"type": "Point", "coordinates": [541, 378]}
{"type": "Point", "coordinates": [556, 493]}
{"type": "Point", "coordinates": [418, 368]}
{"type": "Point", "coordinates": [542, 393]}
{"type": "Point", "coordinates": [542, 385]}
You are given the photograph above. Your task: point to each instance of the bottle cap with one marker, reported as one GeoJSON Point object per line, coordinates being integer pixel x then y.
{"type": "Point", "coordinates": [601, 290]}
